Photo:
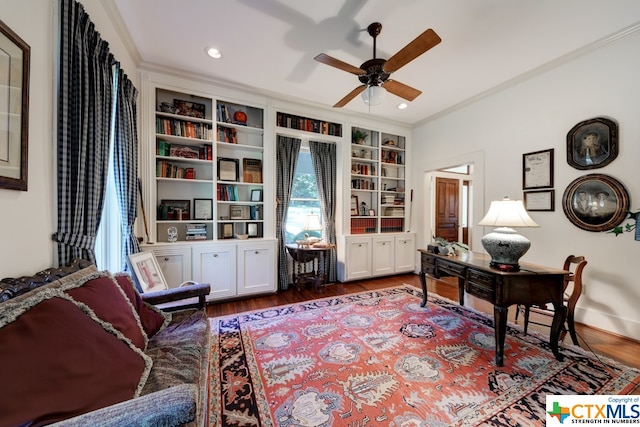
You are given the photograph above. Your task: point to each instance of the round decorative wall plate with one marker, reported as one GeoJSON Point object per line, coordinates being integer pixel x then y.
{"type": "Point", "coordinates": [595, 202]}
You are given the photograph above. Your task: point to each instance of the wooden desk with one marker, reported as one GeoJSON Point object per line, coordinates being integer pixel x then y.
{"type": "Point", "coordinates": [533, 284]}
{"type": "Point", "coordinates": [303, 273]}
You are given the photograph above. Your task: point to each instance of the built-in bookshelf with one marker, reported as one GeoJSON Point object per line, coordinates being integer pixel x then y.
{"type": "Point", "coordinates": [239, 165]}
{"type": "Point", "coordinates": [377, 182]}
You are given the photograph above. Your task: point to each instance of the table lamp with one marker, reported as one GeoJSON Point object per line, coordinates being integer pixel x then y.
{"type": "Point", "coordinates": [504, 245]}
{"type": "Point", "coordinates": [312, 223]}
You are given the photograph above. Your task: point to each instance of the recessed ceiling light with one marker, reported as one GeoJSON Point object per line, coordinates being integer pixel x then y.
{"type": "Point", "coordinates": [213, 52]}
{"type": "Point", "coordinates": [402, 106]}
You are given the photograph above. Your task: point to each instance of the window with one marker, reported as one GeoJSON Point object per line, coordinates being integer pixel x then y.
{"type": "Point", "coordinates": [109, 237]}
{"type": "Point", "coordinates": [304, 199]}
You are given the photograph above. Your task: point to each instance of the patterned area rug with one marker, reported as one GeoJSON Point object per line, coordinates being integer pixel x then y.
{"type": "Point", "coordinates": [377, 358]}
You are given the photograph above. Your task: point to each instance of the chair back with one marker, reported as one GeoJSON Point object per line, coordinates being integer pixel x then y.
{"type": "Point", "coordinates": [575, 265]}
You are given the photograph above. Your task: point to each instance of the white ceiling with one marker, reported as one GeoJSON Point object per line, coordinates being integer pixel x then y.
{"type": "Point", "coordinates": [269, 45]}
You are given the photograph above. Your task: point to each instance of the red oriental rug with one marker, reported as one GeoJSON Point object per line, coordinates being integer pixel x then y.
{"type": "Point", "coordinates": [377, 358]}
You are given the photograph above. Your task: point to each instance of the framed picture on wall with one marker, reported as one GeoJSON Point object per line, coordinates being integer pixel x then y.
{"type": "Point", "coordinates": [595, 202]}
{"type": "Point", "coordinates": [537, 169]}
{"type": "Point", "coordinates": [592, 144]}
{"type": "Point", "coordinates": [540, 200]}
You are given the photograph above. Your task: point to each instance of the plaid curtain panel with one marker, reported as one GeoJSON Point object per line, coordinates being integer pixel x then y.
{"type": "Point", "coordinates": [323, 158]}
{"type": "Point", "coordinates": [287, 150]}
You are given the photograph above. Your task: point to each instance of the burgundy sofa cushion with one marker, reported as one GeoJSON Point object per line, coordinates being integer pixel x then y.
{"type": "Point", "coordinates": [103, 295]}
{"type": "Point", "coordinates": [85, 365]}
{"type": "Point", "coordinates": [151, 319]}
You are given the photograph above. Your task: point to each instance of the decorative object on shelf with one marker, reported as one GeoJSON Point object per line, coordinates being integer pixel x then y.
{"type": "Point", "coordinates": [619, 229]}
{"type": "Point", "coordinates": [240, 117]}
{"type": "Point", "coordinates": [189, 109]}
{"type": "Point", "coordinates": [14, 110]}
{"type": "Point", "coordinates": [374, 74]}
{"type": "Point", "coordinates": [226, 230]}
{"type": "Point", "coordinates": [363, 209]}
{"type": "Point", "coordinates": [389, 142]}
{"type": "Point", "coordinates": [167, 107]}
{"type": "Point", "coordinates": [202, 209]}
{"type": "Point", "coordinates": [239, 212]}
{"type": "Point", "coordinates": [252, 170]}
{"type": "Point", "coordinates": [504, 245]}
{"type": "Point", "coordinates": [354, 205]}
{"type": "Point", "coordinates": [595, 202]}
{"type": "Point", "coordinates": [592, 144]}
{"type": "Point", "coordinates": [252, 229]}
{"type": "Point", "coordinates": [540, 200]}
{"type": "Point", "coordinates": [172, 234]}
{"type": "Point", "coordinates": [445, 247]}
{"type": "Point", "coordinates": [228, 169]}
{"type": "Point", "coordinates": [537, 170]}
{"type": "Point", "coordinates": [242, 236]}
{"type": "Point", "coordinates": [147, 272]}
{"type": "Point", "coordinates": [178, 210]}
{"type": "Point", "coordinates": [358, 136]}
{"type": "Point", "coordinates": [256, 195]}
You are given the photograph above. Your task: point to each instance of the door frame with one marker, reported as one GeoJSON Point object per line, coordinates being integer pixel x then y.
{"type": "Point", "coordinates": [476, 161]}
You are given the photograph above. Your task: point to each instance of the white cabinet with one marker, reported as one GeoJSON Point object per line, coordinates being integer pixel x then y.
{"type": "Point", "coordinates": [382, 255]}
{"type": "Point", "coordinates": [213, 264]}
{"type": "Point", "coordinates": [372, 256]}
{"type": "Point", "coordinates": [405, 253]}
{"type": "Point", "coordinates": [233, 268]}
{"type": "Point", "coordinates": [256, 268]}
{"type": "Point", "coordinates": [357, 264]}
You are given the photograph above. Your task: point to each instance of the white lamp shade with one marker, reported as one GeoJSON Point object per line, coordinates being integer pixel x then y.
{"type": "Point", "coordinates": [507, 213]}
{"type": "Point", "coordinates": [374, 95]}
{"type": "Point", "coordinates": [312, 223]}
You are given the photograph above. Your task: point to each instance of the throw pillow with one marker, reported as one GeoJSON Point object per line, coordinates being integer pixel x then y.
{"type": "Point", "coordinates": [62, 361]}
{"type": "Point", "coordinates": [102, 294]}
{"type": "Point", "coordinates": [152, 319]}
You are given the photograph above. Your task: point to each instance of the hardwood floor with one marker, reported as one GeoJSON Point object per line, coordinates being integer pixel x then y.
{"type": "Point", "coordinates": [616, 347]}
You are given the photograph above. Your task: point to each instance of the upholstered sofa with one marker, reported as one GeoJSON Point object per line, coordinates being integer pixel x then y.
{"type": "Point", "coordinates": [82, 347]}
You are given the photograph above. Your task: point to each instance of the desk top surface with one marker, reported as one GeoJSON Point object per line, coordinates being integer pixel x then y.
{"type": "Point", "coordinates": [482, 261]}
{"type": "Point", "coordinates": [295, 247]}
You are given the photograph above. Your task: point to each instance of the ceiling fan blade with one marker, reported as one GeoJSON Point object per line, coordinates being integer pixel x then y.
{"type": "Point", "coordinates": [401, 90]}
{"type": "Point", "coordinates": [417, 47]}
{"type": "Point", "coordinates": [344, 101]}
{"type": "Point", "coordinates": [329, 60]}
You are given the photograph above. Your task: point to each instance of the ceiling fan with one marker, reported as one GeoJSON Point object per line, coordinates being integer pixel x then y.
{"type": "Point", "coordinates": [376, 71]}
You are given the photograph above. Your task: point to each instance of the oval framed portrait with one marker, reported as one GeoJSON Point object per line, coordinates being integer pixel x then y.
{"type": "Point", "coordinates": [595, 202]}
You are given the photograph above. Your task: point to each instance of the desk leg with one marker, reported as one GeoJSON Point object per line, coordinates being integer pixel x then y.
{"type": "Point", "coordinates": [461, 290]}
{"type": "Point", "coordinates": [559, 317]}
{"type": "Point", "coordinates": [500, 315]}
{"type": "Point", "coordinates": [423, 283]}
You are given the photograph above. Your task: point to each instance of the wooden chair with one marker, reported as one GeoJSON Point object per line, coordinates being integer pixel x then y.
{"type": "Point", "coordinates": [572, 292]}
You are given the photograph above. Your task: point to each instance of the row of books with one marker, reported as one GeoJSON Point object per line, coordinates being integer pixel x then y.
{"type": "Point", "coordinates": [227, 193]}
{"type": "Point", "coordinates": [196, 232]}
{"type": "Point", "coordinates": [363, 169]}
{"type": "Point", "coordinates": [166, 169]}
{"type": "Point", "coordinates": [363, 184]}
{"type": "Point", "coordinates": [229, 135]}
{"type": "Point", "coordinates": [164, 148]}
{"type": "Point", "coordinates": [309, 125]}
{"type": "Point", "coordinates": [176, 127]}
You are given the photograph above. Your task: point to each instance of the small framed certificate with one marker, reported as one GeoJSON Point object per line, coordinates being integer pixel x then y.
{"type": "Point", "coordinates": [203, 209]}
{"type": "Point", "coordinates": [537, 170]}
{"type": "Point", "coordinates": [541, 200]}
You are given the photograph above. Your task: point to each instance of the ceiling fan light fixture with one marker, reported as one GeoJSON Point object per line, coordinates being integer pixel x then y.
{"type": "Point", "coordinates": [374, 95]}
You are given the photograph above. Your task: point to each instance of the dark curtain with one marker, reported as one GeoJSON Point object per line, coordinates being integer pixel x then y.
{"type": "Point", "coordinates": [287, 150]}
{"type": "Point", "coordinates": [85, 111]}
{"type": "Point", "coordinates": [125, 156]}
{"type": "Point", "coordinates": [323, 158]}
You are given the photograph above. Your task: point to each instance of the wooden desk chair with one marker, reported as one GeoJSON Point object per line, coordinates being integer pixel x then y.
{"type": "Point", "coordinates": [572, 292]}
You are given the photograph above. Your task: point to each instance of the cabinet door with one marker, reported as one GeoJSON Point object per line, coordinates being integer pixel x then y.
{"type": "Point", "coordinates": [358, 259]}
{"type": "Point", "coordinates": [383, 255]}
{"type": "Point", "coordinates": [215, 264]}
{"type": "Point", "coordinates": [405, 253]}
{"type": "Point", "coordinates": [256, 272]}
{"type": "Point", "coordinates": [175, 263]}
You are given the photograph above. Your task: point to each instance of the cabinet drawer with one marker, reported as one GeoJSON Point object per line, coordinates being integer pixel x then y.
{"type": "Point", "coordinates": [452, 268]}
{"type": "Point", "coordinates": [481, 285]}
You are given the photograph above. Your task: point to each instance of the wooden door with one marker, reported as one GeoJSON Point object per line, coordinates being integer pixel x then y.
{"type": "Point", "coordinates": [447, 201]}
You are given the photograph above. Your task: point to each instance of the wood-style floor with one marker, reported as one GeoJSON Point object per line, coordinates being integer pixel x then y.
{"type": "Point", "coordinates": [591, 339]}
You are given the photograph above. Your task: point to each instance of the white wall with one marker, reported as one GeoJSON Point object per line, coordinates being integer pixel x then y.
{"type": "Point", "coordinates": [27, 219]}
{"type": "Point", "coordinates": [536, 115]}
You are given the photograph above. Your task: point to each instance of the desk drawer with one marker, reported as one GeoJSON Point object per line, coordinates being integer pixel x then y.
{"type": "Point", "coordinates": [481, 284]}
{"type": "Point", "coordinates": [428, 264]}
{"type": "Point", "coordinates": [452, 268]}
